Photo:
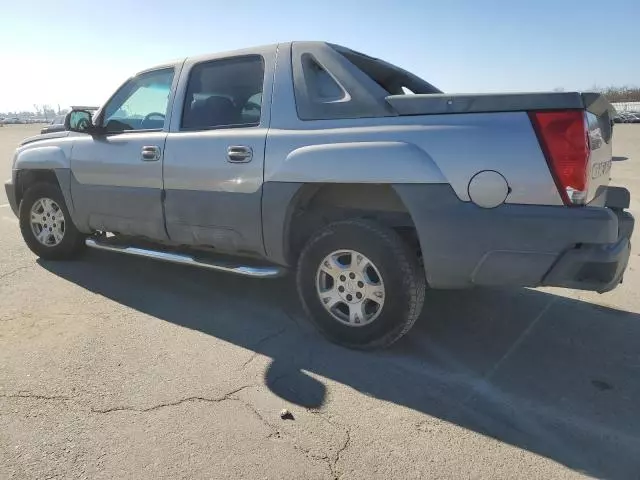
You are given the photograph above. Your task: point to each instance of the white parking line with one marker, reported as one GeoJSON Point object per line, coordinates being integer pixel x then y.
{"type": "Point", "coordinates": [484, 384]}
{"type": "Point", "coordinates": [4, 205]}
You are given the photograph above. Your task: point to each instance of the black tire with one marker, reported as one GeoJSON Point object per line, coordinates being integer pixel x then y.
{"type": "Point", "coordinates": [72, 242]}
{"type": "Point", "coordinates": [401, 272]}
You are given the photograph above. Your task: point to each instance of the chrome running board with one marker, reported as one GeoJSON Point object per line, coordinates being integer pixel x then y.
{"type": "Point", "coordinates": [182, 259]}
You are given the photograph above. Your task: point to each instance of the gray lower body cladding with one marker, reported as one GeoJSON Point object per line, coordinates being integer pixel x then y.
{"type": "Point", "coordinates": [517, 245]}
{"type": "Point", "coordinates": [462, 244]}
{"type": "Point", "coordinates": [127, 210]}
{"type": "Point", "coordinates": [228, 221]}
{"type": "Point", "coordinates": [10, 189]}
{"type": "Point", "coordinates": [597, 267]}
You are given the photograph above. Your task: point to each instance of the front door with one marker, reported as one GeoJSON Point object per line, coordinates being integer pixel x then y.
{"type": "Point", "coordinates": [116, 182]}
{"type": "Point", "coordinates": [214, 155]}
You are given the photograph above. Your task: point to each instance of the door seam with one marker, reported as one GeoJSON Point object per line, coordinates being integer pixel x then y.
{"type": "Point", "coordinates": [264, 153]}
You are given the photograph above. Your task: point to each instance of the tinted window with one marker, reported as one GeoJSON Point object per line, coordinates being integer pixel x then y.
{"type": "Point", "coordinates": [322, 87]}
{"type": "Point", "coordinates": [141, 103]}
{"type": "Point", "coordinates": [224, 93]}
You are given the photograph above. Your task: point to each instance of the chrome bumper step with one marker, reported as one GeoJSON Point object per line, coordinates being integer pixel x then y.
{"type": "Point", "coordinates": [184, 259]}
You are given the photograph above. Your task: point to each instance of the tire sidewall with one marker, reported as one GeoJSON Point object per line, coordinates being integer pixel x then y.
{"type": "Point", "coordinates": [72, 237]}
{"type": "Point", "coordinates": [393, 261]}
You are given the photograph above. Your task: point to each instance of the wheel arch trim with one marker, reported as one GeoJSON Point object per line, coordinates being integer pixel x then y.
{"type": "Point", "coordinates": [47, 157]}
{"type": "Point", "coordinates": [280, 201]}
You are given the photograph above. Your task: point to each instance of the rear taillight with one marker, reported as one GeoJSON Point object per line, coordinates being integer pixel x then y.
{"type": "Point", "coordinates": [563, 137]}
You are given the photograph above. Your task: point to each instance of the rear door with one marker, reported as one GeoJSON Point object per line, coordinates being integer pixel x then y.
{"type": "Point", "coordinates": [214, 155]}
{"type": "Point", "coordinates": [117, 177]}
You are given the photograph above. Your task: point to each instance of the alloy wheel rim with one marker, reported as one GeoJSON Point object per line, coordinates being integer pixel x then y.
{"type": "Point", "coordinates": [350, 288]}
{"type": "Point", "coordinates": [47, 222]}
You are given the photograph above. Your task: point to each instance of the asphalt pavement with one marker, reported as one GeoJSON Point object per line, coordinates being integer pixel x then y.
{"type": "Point", "coordinates": [117, 367]}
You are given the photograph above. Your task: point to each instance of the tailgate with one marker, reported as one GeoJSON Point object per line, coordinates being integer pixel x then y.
{"type": "Point", "coordinates": [599, 116]}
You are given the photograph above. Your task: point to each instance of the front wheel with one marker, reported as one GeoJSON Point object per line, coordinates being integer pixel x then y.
{"type": "Point", "coordinates": [360, 284]}
{"type": "Point", "coordinates": [46, 226]}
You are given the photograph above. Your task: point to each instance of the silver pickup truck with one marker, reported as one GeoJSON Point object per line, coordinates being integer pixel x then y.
{"type": "Point", "coordinates": [366, 180]}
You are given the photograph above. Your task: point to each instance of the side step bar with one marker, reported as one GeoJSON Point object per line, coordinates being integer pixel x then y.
{"type": "Point", "coordinates": [182, 259]}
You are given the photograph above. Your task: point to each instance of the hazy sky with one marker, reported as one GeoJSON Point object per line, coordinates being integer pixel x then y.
{"type": "Point", "coordinates": [64, 52]}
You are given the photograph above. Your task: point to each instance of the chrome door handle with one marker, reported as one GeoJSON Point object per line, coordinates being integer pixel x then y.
{"type": "Point", "coordinates": [150, 153]}
{"type": "Point", "coordinates": [239, 154]}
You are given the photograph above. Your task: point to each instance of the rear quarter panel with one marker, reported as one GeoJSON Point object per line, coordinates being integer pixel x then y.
{"type": "Point", "coordinates": [448, 148]}
{"type": "Point", "coordinates": [435, 149]}
{"type": "Point", "coordinates": [438, 150]}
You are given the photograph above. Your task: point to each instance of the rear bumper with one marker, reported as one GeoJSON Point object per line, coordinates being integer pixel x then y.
{"type": "Point", "coordinates": [595, 267]}
{"type": "Point", "coordinates": [519, 245]}
{"type": "Point", "coordinates": [10, 190]}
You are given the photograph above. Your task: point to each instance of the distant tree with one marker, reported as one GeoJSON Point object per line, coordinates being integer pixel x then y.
{"type": "Point", "coordinates": [620, 94]}
{"type": "Point", "coordinates": [48, 112]}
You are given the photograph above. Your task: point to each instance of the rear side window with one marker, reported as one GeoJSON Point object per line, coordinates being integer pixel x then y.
{"type": "Point", "coordinates": [224, 94]}
{"type": "Point", "coordinates": [322, 87]}
{"type": "Point", "coordinates": [327, 86]}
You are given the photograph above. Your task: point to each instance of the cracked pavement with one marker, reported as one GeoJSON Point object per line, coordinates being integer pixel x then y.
{"type": "Point", "coordinates": [116, 367]}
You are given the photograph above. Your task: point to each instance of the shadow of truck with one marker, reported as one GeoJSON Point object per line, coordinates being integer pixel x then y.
{"type": "Point", "coordinates": [551, 375]}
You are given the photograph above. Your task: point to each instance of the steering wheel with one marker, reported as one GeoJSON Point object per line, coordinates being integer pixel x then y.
{"type": "Point", "coordinates": [251, 106]}
{"type": "Point", "coordinates": [152, 114]}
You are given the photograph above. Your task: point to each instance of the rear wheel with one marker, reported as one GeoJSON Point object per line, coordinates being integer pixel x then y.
{"type": "Point", "coordinates": [360, 284]}
{"type": "Point", "coordinates": [46, 226]}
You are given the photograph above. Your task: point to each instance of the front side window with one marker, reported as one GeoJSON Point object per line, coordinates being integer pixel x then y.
{"type": "Point", "coordinates": [140, 104]}
{"type": "Point", "coordinates": [224, 93]}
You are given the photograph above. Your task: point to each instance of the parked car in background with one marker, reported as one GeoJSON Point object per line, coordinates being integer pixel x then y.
{"type": "Point", "coordinates": [56, 125]}
{"type": "Point", "coordinates": [633, 117]}
{"type": "Point", "coordinates": [627, 117]}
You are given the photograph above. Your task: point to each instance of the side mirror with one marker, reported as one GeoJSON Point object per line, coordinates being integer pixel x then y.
{"type": "Point", "coordinates": [79, 121]}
